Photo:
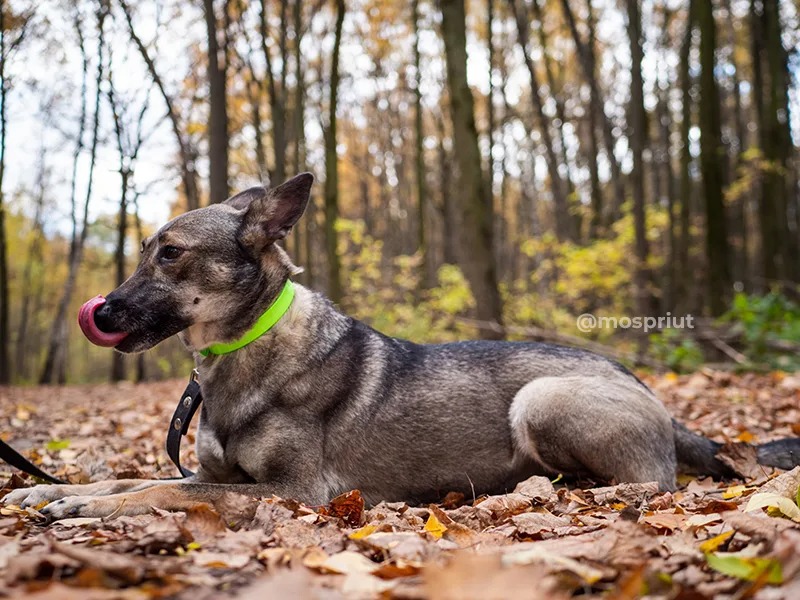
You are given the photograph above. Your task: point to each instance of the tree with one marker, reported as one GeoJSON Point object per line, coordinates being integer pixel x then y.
{"type": "Point", "coordinates": [187, 153]}
{"type": "Point", "coordinates": [638, 141]}
{"type": "Point", "coordinates": [332, 166]}
{"type": "Point", "coordinates": [218, 107]}
{"type": "Point", "coordinates": [564, 227]}
{"type": "Point", "coordinates": [276, 87]}
{"type": "Point", "coordinates": [587, 60]}
{"type": "Point", "coordinates": [302, 237]}
{"type": "Point", "coordinates": [771, 95]}
{"type": "Point", "coordinates": [477, 257]}
{"type": "Point", "coordinates": [712, 160]}
{"type": "Point", "coordinates": [419, 151]}
{"type": "Point", "coordinates": [683, 277]}
{"type": "Point", "coordinates": [130, 135]}
{"type": "Point", "coordinates": [55, 362]}
{"type": "Point", "coordinates": [13, 28]}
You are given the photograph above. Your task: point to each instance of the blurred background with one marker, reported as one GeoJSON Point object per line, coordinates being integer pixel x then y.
{"type": "Point", "coordinates": [485, 168]}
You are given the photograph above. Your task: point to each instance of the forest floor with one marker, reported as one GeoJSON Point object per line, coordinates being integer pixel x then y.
{"type": "Point", "coordinates": [706, 540]}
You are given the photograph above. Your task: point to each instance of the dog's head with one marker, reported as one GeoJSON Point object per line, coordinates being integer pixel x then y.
{"type": "Point", "coordinates": [209, 272]}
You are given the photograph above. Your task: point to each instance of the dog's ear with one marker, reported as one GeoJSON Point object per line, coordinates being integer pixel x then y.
{"type": "Point", "coordinates": [271, 215]}
{"type": "Point", "coordinates": [243, 199]}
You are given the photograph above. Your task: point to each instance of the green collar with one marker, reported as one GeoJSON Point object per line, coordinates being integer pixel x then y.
{"type": "Point", "coordinates": [264, 323]}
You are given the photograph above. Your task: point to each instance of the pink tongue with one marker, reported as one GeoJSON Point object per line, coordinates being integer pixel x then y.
{"type": "Point", "coordinates": [90, 328]}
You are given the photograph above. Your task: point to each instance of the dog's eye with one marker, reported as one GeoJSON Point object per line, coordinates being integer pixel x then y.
{"type": "Point", "coordinates": [171, 252]}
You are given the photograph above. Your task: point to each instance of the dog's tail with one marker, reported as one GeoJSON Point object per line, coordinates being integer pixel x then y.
{"type": "Point", "coordinates": [698, 455]}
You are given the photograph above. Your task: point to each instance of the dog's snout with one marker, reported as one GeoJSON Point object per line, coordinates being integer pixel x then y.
{"type": "Point", "coordinates": [103, 319]}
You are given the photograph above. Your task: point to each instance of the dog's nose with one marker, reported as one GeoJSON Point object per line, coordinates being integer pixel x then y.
{"type": "Point", "coordinates": [102, 318]}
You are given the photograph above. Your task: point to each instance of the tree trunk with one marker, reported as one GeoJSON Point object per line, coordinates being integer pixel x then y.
{"type": "Point", "coordinates": [117, 359]}
{"type": "Point", "coordinates": [477, 256]}
{"type": "Point", "coordinates": [587, 60]}
{"type": "Point", "coordinates": [665, 129]}
{"type": "Point", "coordinates": [332, 167]}
{"type": "Point", "coordinates": [141, 366]}
{"type": "Point", "coordinates": [419, 154]}
{"type": "Point", "coordinates": [448, 213]}
{"type": "Point", "coordinates": [712, 158]}
{"type": "Point", "coordinates": [561, 209]}
{"type": "Point", "coordinates": [5, 333]}
{"type": "Point", "coordinates": [638, 141]}
{"type": "Point", "coordinates": [54, 370]}
{"type": "Point", "coordinates": [299, 124]}
{"type": "Point", "coordinates": [683, 274]}
{"type": "Point", "coordinates": [597, 220]}
{"type": "Point", "coordinates": [34, 257]}
{"type": "Point", "coordinates": [770, 67]}
{"type": "Point", "coordinates": [573, 202]}
{"type": "Point", "coordinates": [218, 110]}
{"type": "Point", "coordinates": [277, 91]}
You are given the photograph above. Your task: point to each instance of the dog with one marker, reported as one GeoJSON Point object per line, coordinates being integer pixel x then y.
{"type": "Point", "coordinates": [321, 403]}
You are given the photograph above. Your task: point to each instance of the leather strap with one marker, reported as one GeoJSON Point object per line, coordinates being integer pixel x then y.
{"type": "Point", "coordinates": [15, 459]}
{"type": "Point", "coordinates": [179, 424]}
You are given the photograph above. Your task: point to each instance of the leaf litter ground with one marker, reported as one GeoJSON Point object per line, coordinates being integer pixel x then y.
{"type": "Point", "coordinates": [735, 539]}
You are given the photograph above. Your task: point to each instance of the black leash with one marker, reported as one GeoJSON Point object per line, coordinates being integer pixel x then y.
{"type": "Point", "coordinates": [179, 424]}
{"type": "Point", "coordinates": [15, 459]}
{"type": "Point", "coordinates": [178, 427]}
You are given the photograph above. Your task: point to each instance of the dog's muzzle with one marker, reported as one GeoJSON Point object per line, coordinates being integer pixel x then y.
{"type": "Point", "coordinates": [90, 328]}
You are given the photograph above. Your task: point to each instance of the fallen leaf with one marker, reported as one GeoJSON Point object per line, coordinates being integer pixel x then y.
{"type": "Point", "coordinates": [734, 491]}
{"type": "Point", "coordinates": [219, 560]}
{"type": "Point", "coordinates": [538, 489]}
{"type": "Point", "coordinates": [701, 520]}
{"type": "Point", "coordinates": [468, 576]}
{"type": "Point", "coordinates": [536, 554]}
{"type": "Point", "coordinates": [746, 567]}
{"type": "Point", "coordinates": [393, 570]}
{"type": "Point", "coordinates": [668, 521]}
{"type": "Point", "coordinates": [773, 500]}
{"type": "Point", "coordinates": [347, 562]}
{"type": "Point", "coordinates": [713, 544]}
{"type": "Point", "coordinates": [128, 568]}
{"type": "Point", "coordinates": [435, 527]}
{"type": "Point", "coordinates": [363, 532]}
{"type": "Point", "coordinates": [349, 507]}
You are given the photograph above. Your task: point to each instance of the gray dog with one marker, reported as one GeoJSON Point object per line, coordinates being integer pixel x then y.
{"type": "Point", "coordinates": [317, 403]}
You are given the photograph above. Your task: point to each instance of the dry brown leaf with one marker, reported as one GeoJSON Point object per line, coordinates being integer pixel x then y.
{"type": "Point", "coordinates": [349, 507]}
{"type": "Point", "coordinates": [497, 509]}
{"type": "Point", "coordinates": [127, 567]}
{"type": "Point", "coordinates": [534, 524]}
{"type": "Point", "coordinates": [633, 494]}
{"type": "Point", "coordinates": [538, 489]}
{"type": "Point", "coordinates": [468, 576]}
{"type": "Point", "coordinates": [203, 523]}
{"type": "Point", "coordinates": [664, 520]}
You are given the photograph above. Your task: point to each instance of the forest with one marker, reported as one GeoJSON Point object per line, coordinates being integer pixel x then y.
{"type": "Point", "coordinates": [621, 176]}
{"type": "Point", "coordinates": [489, 168]}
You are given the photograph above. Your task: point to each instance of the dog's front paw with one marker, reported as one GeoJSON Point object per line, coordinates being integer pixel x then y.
{"type": "Point", "coordinates": [34, 496]}
{"type": "Point", "coordinates": [74, 506]}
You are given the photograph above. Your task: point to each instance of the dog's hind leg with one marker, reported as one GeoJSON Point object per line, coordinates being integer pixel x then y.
{"type": "Point", "coordinates": [613, 429]}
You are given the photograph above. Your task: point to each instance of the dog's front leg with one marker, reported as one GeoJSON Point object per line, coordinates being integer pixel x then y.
{"type": "Point", "coordinates": [34, 496]}
{"type": "Point", "coordinates": [235, 502]}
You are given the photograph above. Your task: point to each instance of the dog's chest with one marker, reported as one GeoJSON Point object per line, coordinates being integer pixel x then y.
{"type": "Point", "coordinates": [218, 459]}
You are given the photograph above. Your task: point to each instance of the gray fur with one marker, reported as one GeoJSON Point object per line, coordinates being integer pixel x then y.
{"type": "Point", "coordinates": [322, 403]}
